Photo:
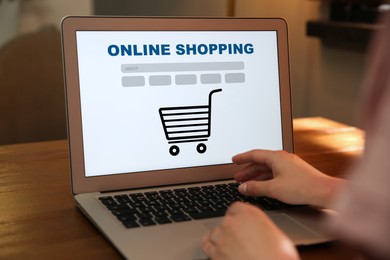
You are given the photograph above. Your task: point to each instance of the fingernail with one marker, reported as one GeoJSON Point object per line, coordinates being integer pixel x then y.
{"type": "Point", "coordinates": [242, 188]}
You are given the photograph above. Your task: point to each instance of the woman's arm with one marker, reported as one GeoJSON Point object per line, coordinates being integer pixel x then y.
{"type": "Point", "coordinates": [286, 177]}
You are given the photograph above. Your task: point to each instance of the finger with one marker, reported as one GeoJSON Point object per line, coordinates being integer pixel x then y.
{"type": "Point", "coordinates": [210, 241]}
{"type": "Point", "coordinates": [208, 248]}
{"type": "Point", "coordinates": [255, 156]}
{"type": "Point", "coordinates": [236, 208]}
{"type": "Point", "coordinates": [253, 171]}
{"type": "Point", "coordinates": [214, 235]}
{"type": "Point", "coordinates": [242, 158]}
{"type": "Point", "coordinates": [256, 188]}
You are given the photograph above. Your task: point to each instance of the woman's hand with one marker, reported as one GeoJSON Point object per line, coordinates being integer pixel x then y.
{"type": "Point", "coordinates": [247, 233]}
{"type": "Point", "coordinates": [286, 177]}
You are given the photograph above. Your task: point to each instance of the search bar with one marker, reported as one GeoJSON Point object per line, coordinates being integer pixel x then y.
{"type": "Point", "coordinates": [177, 67]}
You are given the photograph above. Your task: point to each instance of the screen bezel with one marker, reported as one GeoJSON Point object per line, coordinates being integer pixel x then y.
{"type": "Point", "coordinates": [69, 26]}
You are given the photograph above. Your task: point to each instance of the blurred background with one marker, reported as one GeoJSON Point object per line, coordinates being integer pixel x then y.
{"type": "Point", "coordinates": [328, 44]}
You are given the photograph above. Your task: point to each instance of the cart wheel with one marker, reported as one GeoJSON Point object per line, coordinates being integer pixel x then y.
{"type": "Point", "coordinates": [174, 150]}
{"type": "Point", "coordinates": [201, 148]}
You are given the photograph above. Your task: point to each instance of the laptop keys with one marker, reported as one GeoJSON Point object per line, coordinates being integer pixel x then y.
{"type": "Point", "coordinates": [130, 224]}
{"type": "Point", "coordinates": [179, 205]}
{"type": "Point", "coordinates": [147, 222]}
{"type": "Point", "coordinates": [180, 218]}
{"type": "Point", "coordinates": [163, 220]}
{"type": "Point", "coordinates": [208, 214]}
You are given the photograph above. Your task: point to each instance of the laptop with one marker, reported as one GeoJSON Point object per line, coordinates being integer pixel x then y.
{"type": "Point", "coordinates": [156, 109]}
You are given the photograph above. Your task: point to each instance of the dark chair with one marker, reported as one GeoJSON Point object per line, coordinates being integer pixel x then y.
{"type": "Point", "coordinates": [32, 106]}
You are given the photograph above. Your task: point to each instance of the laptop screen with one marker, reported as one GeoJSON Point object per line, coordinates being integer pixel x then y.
{"type": "Point", "coordinates": [157, 100]}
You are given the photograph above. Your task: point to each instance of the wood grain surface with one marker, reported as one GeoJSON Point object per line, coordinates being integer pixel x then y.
{"type": "Point", "coordinates": [39, 219]}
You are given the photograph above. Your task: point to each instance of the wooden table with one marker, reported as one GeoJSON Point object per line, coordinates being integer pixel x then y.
{"type": "Point", "coordinates": [39, 219]}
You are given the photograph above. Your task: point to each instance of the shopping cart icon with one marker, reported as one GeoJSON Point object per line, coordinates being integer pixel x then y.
{"type": "Point", "coordinates": [187, 124]}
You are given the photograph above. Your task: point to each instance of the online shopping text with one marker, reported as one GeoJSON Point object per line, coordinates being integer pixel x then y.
{"type": "Point", "coordinates": [181, 49]}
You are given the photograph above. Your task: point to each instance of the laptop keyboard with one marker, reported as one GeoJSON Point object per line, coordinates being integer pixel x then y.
{"type": "Point", "coordinates": [182, 204]}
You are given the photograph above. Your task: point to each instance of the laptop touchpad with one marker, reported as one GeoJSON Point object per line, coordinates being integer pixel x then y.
{"type": "Point", "coordinates": [294, 229]}
{"type": "Point", "coordinates": [211, 224]}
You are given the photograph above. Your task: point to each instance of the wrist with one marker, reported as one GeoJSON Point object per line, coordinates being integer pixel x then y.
{"type": "Point", "coordinates": [328, 191]}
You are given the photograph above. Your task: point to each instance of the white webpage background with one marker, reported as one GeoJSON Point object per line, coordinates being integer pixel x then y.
{"type": "Point", "coordinates": [121, 126]}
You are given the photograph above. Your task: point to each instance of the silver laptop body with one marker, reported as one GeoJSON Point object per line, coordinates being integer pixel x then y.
{"type": "Point", "coordinates": [160, 105]}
